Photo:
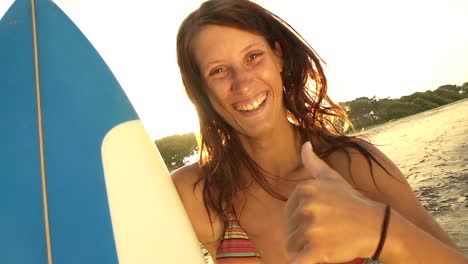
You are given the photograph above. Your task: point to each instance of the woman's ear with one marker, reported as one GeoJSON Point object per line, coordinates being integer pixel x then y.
{"type": "Point", "coordinates": [279, 53]}
{"type": "Point", "coordinates": [278, 50]}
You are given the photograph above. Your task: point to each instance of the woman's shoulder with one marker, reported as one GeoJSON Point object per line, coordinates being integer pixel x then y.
{"type": "Point", "coordinates": [190, 189]}
{"type": "Point", "coordinates": [367, 168]}
{"type": "Point", "coordinates": [187, 175]}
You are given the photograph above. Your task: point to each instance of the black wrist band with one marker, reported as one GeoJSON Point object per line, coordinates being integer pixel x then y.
{"type": "Point", "coordinates": [383, 235]}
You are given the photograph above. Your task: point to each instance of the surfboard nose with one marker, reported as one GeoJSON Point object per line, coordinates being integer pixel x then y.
{"type": "Point", "coordinates": [59, 99]}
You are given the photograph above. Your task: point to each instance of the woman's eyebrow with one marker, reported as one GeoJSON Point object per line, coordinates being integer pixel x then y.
{"type": "Point", "coordinates": [208, 64]}
{"type": "Point", "coordinates": [252, 45]}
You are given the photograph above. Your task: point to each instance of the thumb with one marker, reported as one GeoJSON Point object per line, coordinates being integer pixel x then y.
{"type": "Point", "coordinates": [317, 166]}
{"type": "Point", "coordinates": [310, 160]}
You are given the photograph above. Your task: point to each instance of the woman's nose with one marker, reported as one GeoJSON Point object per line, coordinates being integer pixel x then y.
{"type": "Point", "coordinates": [241, 79]}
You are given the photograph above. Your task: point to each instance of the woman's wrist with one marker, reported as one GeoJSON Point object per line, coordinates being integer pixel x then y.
{"type": "Point", "coordinates": [375, 259]}
{"type": "Point", "coordinates": [394, 248]}
{"type": "Point", "coordinates": [383, 232]}
{"type": "Point", "coordinates": [406, 243]}
{"type": "Point", "coordinates": [375, 219]}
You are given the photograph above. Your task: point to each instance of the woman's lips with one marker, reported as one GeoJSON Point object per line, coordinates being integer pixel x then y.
{"type": "Point", "coordinates": [251, 105]}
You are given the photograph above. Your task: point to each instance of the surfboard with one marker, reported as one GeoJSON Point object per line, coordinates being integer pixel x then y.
{"type": "Point", "coordinates": [81, 181]}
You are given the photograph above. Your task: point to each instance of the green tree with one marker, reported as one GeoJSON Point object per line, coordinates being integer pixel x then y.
{"type": "Point", "coordinates": [451, 92]}
{"type": "Point", "coordinates": [436, 98]}
{"type": "Point", "coordinates": [364, 111]}
{"type": "Point", "coordinates": [464, 90]}
{"type": "Point", "coordinates": [450, 87]}
{"type": "Point", "coordinates": [174, 149]}
{"type": "Point", "coordinates": [424, 104]}
{"type": "Point", "coordinates": [361, 111]}
{"type": "Point", "coordinates": [400, 109]}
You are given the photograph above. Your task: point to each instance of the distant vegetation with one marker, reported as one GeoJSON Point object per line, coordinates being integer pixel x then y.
{"type": "Point", "coordinates": [363, 112]}
{"type": "Point", "coordinates": [176, 148]}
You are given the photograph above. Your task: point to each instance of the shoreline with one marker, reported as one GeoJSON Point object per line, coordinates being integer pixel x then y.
{"type": "Point", "coordinates": [431, 148]}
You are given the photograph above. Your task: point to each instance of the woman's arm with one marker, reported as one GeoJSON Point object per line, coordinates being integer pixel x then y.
{"type": "Point", "coordinates": [207, 233]}
{"type": "Point", "coordinates": [413, 233]}
{"type": "Point", "coordinates": [330, 207]}
{"type": "Point", "coordinates": [407, 243]}
{"type": "Point", "coordinates": [386, 184]}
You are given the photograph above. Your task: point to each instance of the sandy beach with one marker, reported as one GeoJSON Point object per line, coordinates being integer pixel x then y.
{"type": "Point", "coordinates": [431, 149]}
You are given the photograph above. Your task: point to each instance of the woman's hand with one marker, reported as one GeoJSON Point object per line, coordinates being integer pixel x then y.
{"type": "Point", "coordinates": [329, 221]}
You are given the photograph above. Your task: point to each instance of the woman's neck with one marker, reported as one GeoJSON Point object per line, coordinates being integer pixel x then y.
{"type": "Point", "coordinates": [277, 152]}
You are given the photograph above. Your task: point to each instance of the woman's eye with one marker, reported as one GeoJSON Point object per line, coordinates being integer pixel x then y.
{"type": "Point", "coordinates": [254, 55]}
{"type": "Point", "coordinates": [216, 71]}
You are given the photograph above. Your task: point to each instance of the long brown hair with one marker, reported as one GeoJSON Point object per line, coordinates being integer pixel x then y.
{"type": "Point", "coordinates": [305, 97]}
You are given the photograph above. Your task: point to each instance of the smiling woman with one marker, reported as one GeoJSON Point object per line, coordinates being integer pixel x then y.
{"type": "Point", "coordinates": [277, 181]}
{"type": "Point", "coordinates": [257, 115]}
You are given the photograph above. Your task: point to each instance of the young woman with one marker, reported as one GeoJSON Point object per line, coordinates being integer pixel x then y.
{"type": "Point", "coordinates": [276, 181]}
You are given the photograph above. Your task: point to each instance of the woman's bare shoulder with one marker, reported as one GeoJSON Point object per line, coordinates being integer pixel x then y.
{"type": "Point", "coordinates": [191, 194]}
{"type": "Point", "coordinates": [187, 176]}
{"type": "Point", "coordinates": [377, 177]}
{"type": "Point", "coordinates": [369, 174]}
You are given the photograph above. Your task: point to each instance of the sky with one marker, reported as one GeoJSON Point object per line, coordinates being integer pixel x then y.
{"type": "Point", "coordinates": [385, 48]}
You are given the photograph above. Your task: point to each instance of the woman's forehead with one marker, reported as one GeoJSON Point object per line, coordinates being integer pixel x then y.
{"type": "Point", "coordinates": [215, 40]}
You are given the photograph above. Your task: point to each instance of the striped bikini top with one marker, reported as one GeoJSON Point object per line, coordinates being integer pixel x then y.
{"type": "Point", "coordinates": [236, 247]}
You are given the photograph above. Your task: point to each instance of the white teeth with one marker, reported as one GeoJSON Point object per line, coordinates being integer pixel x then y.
{"type": "Point", "coordinates": [252, 106]}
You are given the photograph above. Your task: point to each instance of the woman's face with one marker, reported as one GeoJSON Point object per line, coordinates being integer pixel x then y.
{"type": "Point", "coordinates": [243, 76]}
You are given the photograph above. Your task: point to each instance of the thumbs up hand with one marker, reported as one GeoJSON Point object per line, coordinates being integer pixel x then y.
{"type": "Point", "coordinates": [327, 220]}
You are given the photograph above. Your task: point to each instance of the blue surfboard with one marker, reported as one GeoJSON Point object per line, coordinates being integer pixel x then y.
{"type": "Point", "coordinates": [80, 179]}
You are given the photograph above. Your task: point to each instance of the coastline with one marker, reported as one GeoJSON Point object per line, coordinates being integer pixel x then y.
{"type": "Point", "coordinates": [431, 149]}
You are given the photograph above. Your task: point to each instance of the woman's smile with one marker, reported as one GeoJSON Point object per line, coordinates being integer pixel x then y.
{"type": "Point", "coordinates": [251, 106]}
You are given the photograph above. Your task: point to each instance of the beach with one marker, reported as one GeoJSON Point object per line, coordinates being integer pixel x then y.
{"type": "Point", "coordinates": [431, 149]}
